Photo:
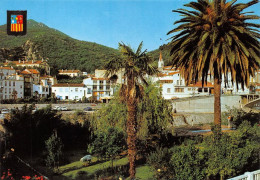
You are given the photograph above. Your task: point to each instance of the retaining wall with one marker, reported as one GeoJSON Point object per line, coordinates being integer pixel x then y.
{"type": "Point", "coordinates": [204, 104]}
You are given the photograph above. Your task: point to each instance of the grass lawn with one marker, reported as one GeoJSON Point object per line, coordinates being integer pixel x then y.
{"type": "Point", "coordinates": [145, 173]}
{"type": "Point", "coordinates": [76, 170]}
{"type": "Point", "coordinates": [90, 170]}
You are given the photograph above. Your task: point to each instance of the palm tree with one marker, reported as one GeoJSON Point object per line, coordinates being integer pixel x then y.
{"type": "Point", "coordinates": [214, 38]}
{"type": "Point", "coordinates": [136, 65]}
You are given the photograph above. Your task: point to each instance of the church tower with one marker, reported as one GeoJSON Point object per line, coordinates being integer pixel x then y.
{"type": "Point", "coordinates": [160, 62]}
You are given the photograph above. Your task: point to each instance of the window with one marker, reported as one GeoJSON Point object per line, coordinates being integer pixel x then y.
{"type": "Point", "coordinates": [95, 82]}
{"type": "Point", "coordinates": [94, 87]}
{"type": "Point", "coordinates": [21, 86]}
{"type": "Point", "coordinates": [5, 83]}
{"type": "Point", "coordinates": [200, 90]}
{"type": "Point", "coordinates": [14, 83]}
{"type": "Point", "coordinates": [189, 89]}
{"type": "Point", "coordinates": [179, 90]}
{"type": "Point", "coordinates": [168, 90]}
{"type": "Point", "coordinates": [205, 89]}
{"type": "Point", "coordinates": [76, 89]}
{"type": "Point", "coordinates": [100, 82]}
{"type": "Point", "coordinates": [108, 82]}
{"type": "Point", "coordinates": [108, 87]}
{"type": "Point", "coordinates": [89, 90]}
{"type": "Point", "coordinates": [178, 82]}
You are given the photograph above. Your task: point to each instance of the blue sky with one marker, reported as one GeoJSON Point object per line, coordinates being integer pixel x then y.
{"type": "Point", "coordinates": [106, 22]}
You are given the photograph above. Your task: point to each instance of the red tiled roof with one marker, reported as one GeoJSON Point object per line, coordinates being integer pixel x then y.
{"type": "Point", "coordinates": [7, 68]}
{"type": "Point", "coordinates": [95, 78]}
{"type": "Point", "coordinates": [199, 84]}
{"type": "Point", "coordinates": [167, 74]}
{"type": "Point", "coordinates": [69, 71]}
{"type": "Point", "coordinates": [68, 85]}
{"type": "Point", "coordinates": [25, 72]}
{"type": "Point", "coordinates": [24, 62]}
{"type": "Point", "coordinates": [34, 71]}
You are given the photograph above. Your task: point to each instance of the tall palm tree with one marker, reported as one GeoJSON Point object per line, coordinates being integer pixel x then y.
{"type": "Point", "coordinates": [136, 65]}
{"type": "Point", "coordinates": [215, 38]}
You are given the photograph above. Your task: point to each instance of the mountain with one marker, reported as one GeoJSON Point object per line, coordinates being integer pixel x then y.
{"type": "Point", "coordinates": [62, 51]}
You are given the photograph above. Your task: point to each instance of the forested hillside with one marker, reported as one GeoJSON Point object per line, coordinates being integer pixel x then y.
{"type": "Point", "coordinates": [62, 51]}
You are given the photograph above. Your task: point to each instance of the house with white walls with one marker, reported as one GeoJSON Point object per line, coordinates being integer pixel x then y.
{"type": "Point", "coordinates": [11, 84]}
{"type": "Point", "coordinates": [42, 89]}
{"type": "Point", "coordinates": [71, 73]}
{"type": "Point", "coordinates": [69, 91]}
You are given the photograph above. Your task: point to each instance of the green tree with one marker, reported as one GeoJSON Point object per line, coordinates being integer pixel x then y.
{"type": "Point", "coordinates": [188, 161]}
{"type": "Point", "coordinates": [136, 65]}
{"type": "Point", "coordinates": [54, 151]}
{"type": "Point", "coordinates": [234, 154]}
{"type": "Point", "coordinates": [108, 144]}
{"type": "Point", "coordinates": [217, 39]}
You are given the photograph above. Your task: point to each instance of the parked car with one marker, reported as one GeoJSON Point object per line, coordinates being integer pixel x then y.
{"type": "Point", "coordinates": [88, 109]}
{"type": "Point", "coordinates": [4, 111]}
{"type": "Point", "coordinates": [86, 158]}
{"type": "Point", "coordinates": [63, 108]}
{"type": "Point", "coordinates": [57, 108]}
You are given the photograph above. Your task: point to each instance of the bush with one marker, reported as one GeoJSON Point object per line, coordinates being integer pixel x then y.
{"type": "Point", "coordinates": [218, 156]}
{"type": "Point", "coordinates": [239, 116]}
{"type": "Point", "coordinates": [159, 161]}
{"type": "Point", "coordinates": [43, 99]}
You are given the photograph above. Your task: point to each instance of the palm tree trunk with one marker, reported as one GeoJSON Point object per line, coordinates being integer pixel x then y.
{"type": "Point", "coordinates": [217, 104]}
{"type": "Point", "coordinates": [131, 136]}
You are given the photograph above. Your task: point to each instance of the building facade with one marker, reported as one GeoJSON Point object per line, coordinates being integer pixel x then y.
{"type": "Point", "coordinates": [11, 84]}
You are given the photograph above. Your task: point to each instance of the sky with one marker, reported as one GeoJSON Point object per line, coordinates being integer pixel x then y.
{"type": "Point", "coordinates": [106, 22]}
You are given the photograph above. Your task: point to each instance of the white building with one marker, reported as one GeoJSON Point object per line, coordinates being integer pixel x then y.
{"type": "Point", "coordinates": [71, 73]}
{"type": "Point", "coordinates": [11, 84]}
{"type": "Point", "coordinates": [69, 91]}
{"type": "Point", "coordinates": [42, 89]}
{"type": "Point", "coordinates": [42, 64]}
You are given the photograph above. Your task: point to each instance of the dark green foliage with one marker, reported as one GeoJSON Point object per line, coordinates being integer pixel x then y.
{"type": "Point", "coordinates": [239, 116]}
{"type": "Point", "coordinates": [160, 162]}
{"type": "Point", "coordinates": [154, 114]}
{"type": "Point", "coordinates": [108, 144]}
{"type": "Point", "coordinates": [29, 130]}
{"type": "Point", "coordinates": [232, 154]}
{"type": "Point", "coordinates": [68, 79]}
{"type": "Point", "coordinates": [54, 151]}
{"type": "Point", "coordinates": [218, 156]}
{"type": "Point", "coordinates": [62, 51]}
{"type": "Point", "coordinates": [187, 162]}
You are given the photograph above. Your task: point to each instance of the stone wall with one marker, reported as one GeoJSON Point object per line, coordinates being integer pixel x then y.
{"type": "Point", "coordinates": [204, 104]}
